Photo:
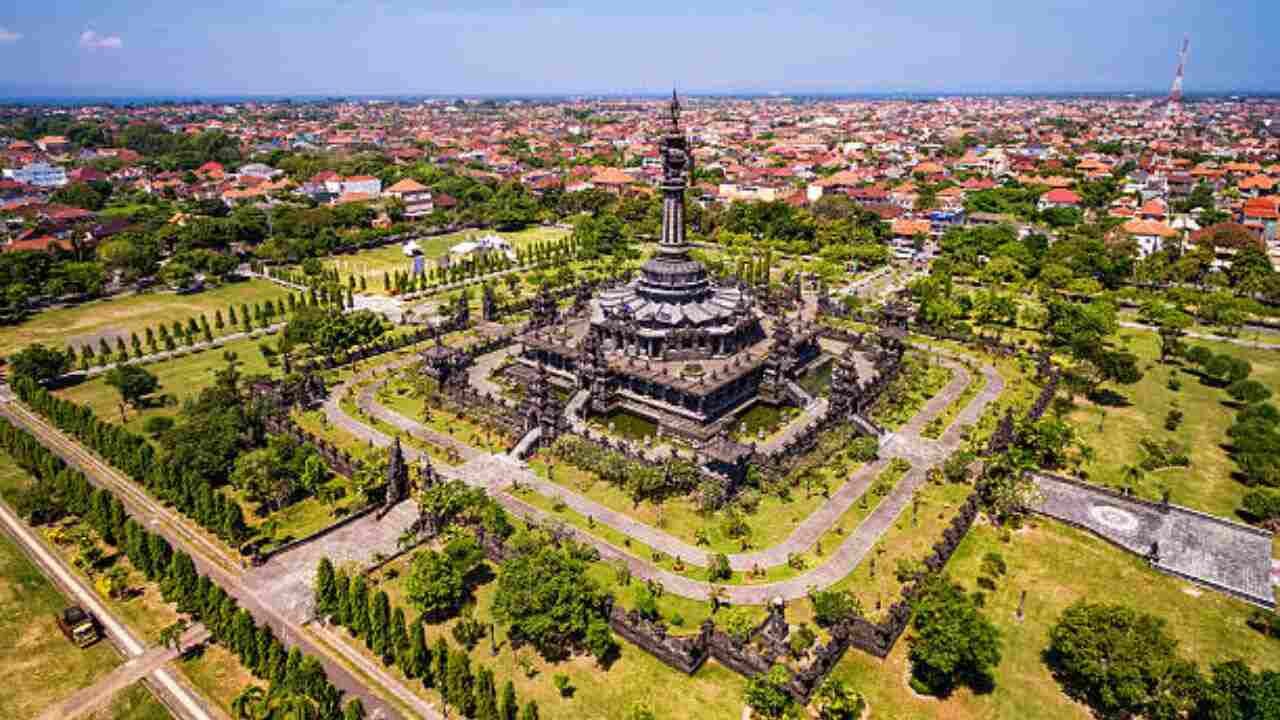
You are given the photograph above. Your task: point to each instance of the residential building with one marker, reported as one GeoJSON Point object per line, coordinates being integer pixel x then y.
{"type": "Point", "coordinates": [415, 196]}
{"type": "Point", "coordinates": [38, 174]}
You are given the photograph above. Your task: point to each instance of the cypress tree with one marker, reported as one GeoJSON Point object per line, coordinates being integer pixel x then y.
{"type": "Point", "coordinates": [486, 695]}
{"type": "Point", "coordinates": [359, 607]}
{"type": "Point", "coordinates": [232, 526]}
{"type": "Point", "coordinates": [275, 663]}
{"type": "Point", "coordinates": [245, 317]}
{"type": "Point", "coordinates": [159, 551]}
{"type": "Point", "coordinates": [217, 320]}
{"type": "Point", "coordinates": [398, 641]}
{"type": "Point", "coordinates": [416, 662]}
{"type": "Point", "coordinates": [354, 710]}
{"type": "Point", "coordinates": [244, 638]}
{"type": "Point", "coordinates": [265, 639]}
{"type": "Point", "coordinates": [293, 670]}
{"type": "Point", "coordinates": [325, 590]}
{"type": "Point", "coordinates": [458, 682]}
{"type": "Point", "coordinates": [135, 343]}
{"type": "Point", "coordinates": [231, 315]}
{"type": "Point", "coordinates": [380, 626]}
{"type": "Point", "coordinates": [151, 339]}
{"type": "Point", "coordinates": [342, 599]}
{"type": "Point", "coordinates": [509, 707]}
{"type": "Point", "coordinates": [363, 284]}
{"type": "Point", "coordinates": [439, 662]}
{"type": "Point", "coordinates": [293, 302]}
{"type": "Point", "coordinates": [530, 711]}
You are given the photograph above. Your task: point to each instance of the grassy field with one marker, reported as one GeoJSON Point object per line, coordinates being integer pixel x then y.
{"type": "Point", "coordinates": [371, 264]}
{"type": "Point", "coordinates": [133, 703]}
{"type": "Point", "coordinates": [713, 693]}
{"type": "Point", "coordinates": [143, 610]}
{"type": "Point", "coordinates": [1056, 565]}
{"type": "Point", "coordinates": [41, 667]}
{"type": "Point", "coordinates": [904, 540]}
{"type": "Point", "coordinates": [217, 674]}
{"type": "Point", "coordinates": [180, 378]}
{"type": "Point", "coordinates": [920, 379]}
{"type": "Point", "coordinates": [1114, 432]}
{"type": "Point", "coordinates": [115, 317]}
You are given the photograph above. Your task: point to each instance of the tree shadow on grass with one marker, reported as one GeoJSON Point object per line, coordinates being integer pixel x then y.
{"type": "Point", "coordinates": [1107, 397]}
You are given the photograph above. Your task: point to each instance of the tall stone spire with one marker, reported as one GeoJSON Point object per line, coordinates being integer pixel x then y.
{"type": "Point", "coordinates": [677, 164]}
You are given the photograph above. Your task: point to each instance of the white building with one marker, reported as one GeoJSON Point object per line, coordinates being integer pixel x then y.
{"type": "Point", "coordinates": [38, 174]}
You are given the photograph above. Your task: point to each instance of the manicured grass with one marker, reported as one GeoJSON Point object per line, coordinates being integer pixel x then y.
{"type": "Point", "coordinates": [918, 381]}
{"type": "Point", "coordinates": [181, 378]}
{"type": "Point", "coordinates": [41, 666]}
{"type": "Point", "coordinates": [714, 692]}
{"type": "Point", "coordinates": [84, 324]}
{"type": "Point", "coordinates": [391, 259]}
{"type": "Point", "coordinates": [904, 540]}
{"type": "Point", "coordinates": [770, 524]}
{"type": "Point", "coordinates": [133, 703]}
{"type": "Point", "coordinates": [402, 395]}
{"type": "Point", "coordinates": [1114, 433]}
{"type": "Point", "coordinates": [217, 674]}
{"type": "Point", "coordinates": [1057, 566]}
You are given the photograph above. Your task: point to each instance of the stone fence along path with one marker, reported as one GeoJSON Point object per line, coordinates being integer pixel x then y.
{"type": "Point", "coordinates": [498, 473]}
{"type": "Point", "coordinates": [1224, 555]}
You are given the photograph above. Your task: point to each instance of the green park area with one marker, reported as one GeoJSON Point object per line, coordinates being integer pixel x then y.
{"type": "Point", "coordinates": [371, 264]}
{"type": "Point", "coordinates": [112, 318]}
{"type": "Point", "coordinates": [53, 667]}
{"type": "Point", "coordinates": [1120, 430]}
{"type": "Point", "coordinates": [41, 666]}
{"type": "Point", "coordinates": [1056, 566]}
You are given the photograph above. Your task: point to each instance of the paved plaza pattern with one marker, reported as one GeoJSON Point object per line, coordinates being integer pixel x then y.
{"type": "Point", "coordinates": [1209, 550]}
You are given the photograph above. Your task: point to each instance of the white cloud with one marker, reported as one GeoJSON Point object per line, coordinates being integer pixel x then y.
{"type": "Point", "coordinates": [9, 36]}
{"type": "Point", "coordinates": [91, 40]}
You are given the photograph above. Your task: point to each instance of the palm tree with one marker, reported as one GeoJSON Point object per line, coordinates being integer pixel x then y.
{"type": "Point", "coordinates": [250, 704]}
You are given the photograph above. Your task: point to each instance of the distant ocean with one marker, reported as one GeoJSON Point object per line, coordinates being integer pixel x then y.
{"type": "Point", "coordinates": [140, 100]}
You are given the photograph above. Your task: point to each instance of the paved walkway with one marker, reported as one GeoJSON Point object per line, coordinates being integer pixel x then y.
{"type": "Point", "coordinates": [89, 699]}
{"type": "Point", "coordinates": [1209, 550]}
{"type": "Point", "coordinates": [181, 698]}
{"type": "Point", "coordinates": [1256, 344]}
{"type": "Point", "coordinates": [176, 352]}
{"type": "Point", "coordinates": [497, 473]}
{"type": "Point", "coordinates": [211, 559]}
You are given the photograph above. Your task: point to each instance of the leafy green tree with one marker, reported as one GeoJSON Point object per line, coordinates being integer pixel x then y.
{"type": "Point", "coordinates": [530, 711]}
{"type": "Point", "coordinates": [952, 641]}
{"type": "Point", "coordinates": [40, 363]}
{"type": "Point", "coordinates": [767, 693]}
{"type": "Point", "coordinates": [545, 597]}
{"type": "Point", "coordinates": [1248, 391]}
{"type": "Point", "coordinates": [1121, 662]}
{"type": "Point", "coordinates": [508, 707]}
{"type": "Point", "coordinates": [133, 383]}
{"type": "Point", "coordinates": [836, 701]}
{"type": "Point", "coordinates": [834, 607]}
{"type": "Point", "coordinates": [458, 681]}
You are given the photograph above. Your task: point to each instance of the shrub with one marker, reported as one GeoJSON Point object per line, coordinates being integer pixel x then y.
{"type": "Point", "coordinates": [833, 607]}
{"type": "Point", "coordinates": [1173, 419]}
{"type": "Point", "coordinates": [719, 569]}
{"type": "Point", "coordinates": [953, 642]}
{"type": "Point", "coordinates": [801, 639]}
{"type": "Point", "coordinates": [1262, 504]}
{"type": "Point", "coordinates": [157, 424]}
{"type": "Point", "coordinates": [767, 693]}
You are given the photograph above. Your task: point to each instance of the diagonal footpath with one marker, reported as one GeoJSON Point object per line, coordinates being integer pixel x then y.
{"type": "Point", "coordinates": [184, 701]}
{"type": "Point", "coordinates": [337, 660]}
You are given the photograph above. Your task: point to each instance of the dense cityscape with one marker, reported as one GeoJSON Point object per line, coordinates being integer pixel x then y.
{"type": "Point", "coordinates": [640, 407]}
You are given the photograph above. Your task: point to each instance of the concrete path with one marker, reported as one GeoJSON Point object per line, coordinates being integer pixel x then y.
{"type": "Point", "coordinates": [89, 699]}
{"type": "Point", "coordinates": [1255, 344]}
{"type": "Point", "coordinates": [184, 701]}
{"type": "Point", "coordinates": [497, 473]}
{"type": "Point", "coordinates": [212, 559]}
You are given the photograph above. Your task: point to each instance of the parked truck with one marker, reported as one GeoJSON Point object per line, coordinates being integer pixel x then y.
{"type": "Point", "coordinates": [79, 625]}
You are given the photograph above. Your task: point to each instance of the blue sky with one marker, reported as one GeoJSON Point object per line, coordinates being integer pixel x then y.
{"type": "Point", "coordinates": [356, 46]}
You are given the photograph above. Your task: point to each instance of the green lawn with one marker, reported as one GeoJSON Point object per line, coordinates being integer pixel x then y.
{"type": "Point", "coordinates": [217, 674]}
{"type": "Point", "coordinates": [371, 264]}
{"type": "Point", "coordinates": [84, 324]}
{"type": "Point", "coordinates": [180, 378]}
{"type": "Point", "coordinates": [133, 703]}
{"type": "Point", "coordinates": [919, 380]}
{"type": "Point", "coordinates": [1114, 432]}
{"type": "Point", "coordinates": [713, 693]}
{"type": "Point", "coordinates": [1056, 565]}
{"type": "Point", "coordinates": [904, 540]}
